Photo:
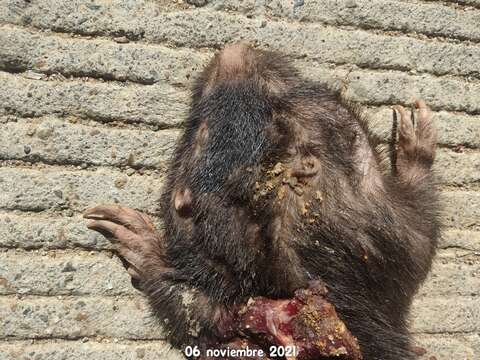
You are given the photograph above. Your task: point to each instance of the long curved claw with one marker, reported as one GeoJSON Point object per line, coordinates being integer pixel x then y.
{"type": "Point", "coordinates": [127, 217]}
{"type": "Point", "coordinates": [133, 234]}
{"type": "Point", "coordinates": [406, 131]}
{"type": "Point", "coordinates": [425, 131]}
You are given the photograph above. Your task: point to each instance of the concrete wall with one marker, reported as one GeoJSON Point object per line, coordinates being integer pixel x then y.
{"type": "Point", "coordinates": [91, 97]}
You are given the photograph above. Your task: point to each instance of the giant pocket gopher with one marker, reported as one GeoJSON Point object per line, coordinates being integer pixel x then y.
{"type": "Point", "coordinates": [277, 182]}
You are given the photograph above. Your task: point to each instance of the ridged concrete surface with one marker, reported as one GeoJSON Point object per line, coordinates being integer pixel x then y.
{"type": "Point", "coordinates": [92, 97]}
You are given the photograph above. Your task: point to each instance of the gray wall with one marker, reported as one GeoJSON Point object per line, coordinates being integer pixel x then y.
{"type": "Point", "coordinates": [92, 93]}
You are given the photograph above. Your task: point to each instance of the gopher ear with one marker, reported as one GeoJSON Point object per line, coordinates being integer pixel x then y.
{"type": "Point", "coordinates": [183, 202]}
{"type": "Point", "coordinates": [306, 167]}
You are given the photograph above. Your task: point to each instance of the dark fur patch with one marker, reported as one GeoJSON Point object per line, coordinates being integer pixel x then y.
{"type": "Point", "coordinates": [260, 227]}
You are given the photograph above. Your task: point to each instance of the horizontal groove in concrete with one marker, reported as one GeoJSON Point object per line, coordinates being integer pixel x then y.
{"type": "Point", "coordinates": [204, 28]}
{"type": "Point", "coordinates": [411, 18]}
{"type": "Point", "coordinates": [87, 349]}
{"type": "Point", "coordinates": [158, 104]}
{"type": "Point", "coordinates": [79, 317]}
{"type": "Point", "coordinates": [53, 141]}
{"type": "Point", "coordinates": [56, 231]}
{"type": "Point", "coordinates": [23, 50]}
{"type": "Point", "coordinates": [37, 190]}
{"type": "Point", "coordinates": [63, 274]}
{"type": "Point", "coordinates": [83, 273]}
{"type": "Point", "coordinates": [457, 315]}
{"type": "Point", "coordinates": [56, 141]}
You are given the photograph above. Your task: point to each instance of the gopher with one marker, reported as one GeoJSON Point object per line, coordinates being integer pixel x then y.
{"type": "Point", "coordinates": [277, 182]}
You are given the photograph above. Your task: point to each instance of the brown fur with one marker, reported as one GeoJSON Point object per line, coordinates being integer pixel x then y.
{"type": "Point", "coordinates": [275, 182]}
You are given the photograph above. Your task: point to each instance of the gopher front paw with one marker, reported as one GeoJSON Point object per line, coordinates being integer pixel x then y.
{"type": "Point", "coordinates": [416, 139]}
{"type": "Point", "coordinates": [133, 233]}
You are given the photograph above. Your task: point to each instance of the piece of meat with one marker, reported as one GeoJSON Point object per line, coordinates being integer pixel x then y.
{"type": "Point", "coordinates": [308, 323]}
